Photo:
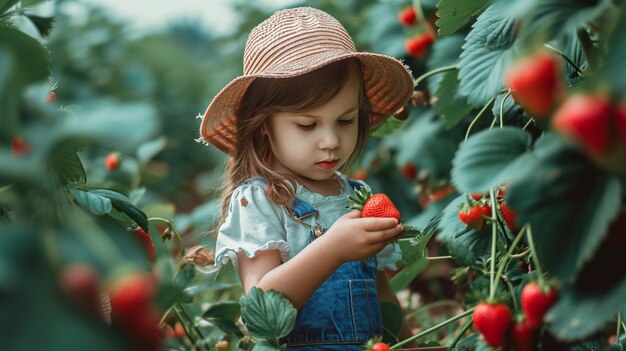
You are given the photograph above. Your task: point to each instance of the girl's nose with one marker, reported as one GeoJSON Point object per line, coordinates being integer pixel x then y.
{"type": "Point", "coordinates": [329, 140]}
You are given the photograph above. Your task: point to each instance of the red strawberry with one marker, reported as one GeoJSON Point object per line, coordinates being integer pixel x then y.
{"type": "Point", "coordinates": [380, 205]}
{"type": "Point", "coordinates": [376, 205]}
{"type": "Point", "coordinates": [410, 171]}
{"type": "Point", "coordinates": [535, 303]}
{"type": "Point", "coordinates": [417, 46]}
{"type": "Point", "coordinates": [360, 174]}
{"type": "Point", "coordinates": [81, 284]}
{"type": "Point", "coordinates": [52, 97]}
{"type": "Point", "coordinates": [407, 16]}
{"type": "Point", "coordinates": [438, 194]}
{"type": "Point", "coordinates": [536, 81]}
{"type": "Point", "coordinates": [492, 321]}
{"type": "Point", "coordinates": [486, 210]}
{"type": "Point", "coordinates": [112, 161]}
{"type": "Point", "coordinates": [19, 147]}
{"type": "Point", "coordinates": [523, 336]}
{"type": "Point", "coordinates": [510, 217]}
{"type": "Point", "coordinates": [146, 242]}
{"type": "Point", "coordinates": [472, 216]}
{"type": "Point", "coordinates": [477, 196]}
{"type": "Point", "coordinates": [586, 120]}
{"type": "Point", "coordinates": [620, 117]}
{"type": "Point", "coordinates": [380, 346]}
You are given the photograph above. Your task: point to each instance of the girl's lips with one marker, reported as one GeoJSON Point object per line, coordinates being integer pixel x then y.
{"type": "Point", "coordinates": [327, 164]}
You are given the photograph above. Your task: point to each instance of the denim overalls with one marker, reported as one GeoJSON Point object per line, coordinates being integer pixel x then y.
{"type": "Point", "coordinates": [343, 313]}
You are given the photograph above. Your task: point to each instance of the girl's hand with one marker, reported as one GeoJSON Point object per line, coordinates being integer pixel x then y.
{"type": "Point", "coordinates": [352, 238]}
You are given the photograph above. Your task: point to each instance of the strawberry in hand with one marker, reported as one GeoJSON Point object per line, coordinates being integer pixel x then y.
{"type": "Point", "coordinates": [378, 206]}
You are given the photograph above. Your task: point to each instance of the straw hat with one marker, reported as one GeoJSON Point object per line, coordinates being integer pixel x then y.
{"type": "Point", "coordinates": [294, 42]}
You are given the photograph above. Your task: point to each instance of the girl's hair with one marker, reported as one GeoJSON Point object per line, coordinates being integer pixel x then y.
{"type": "Point", "coordinates": [253, 156]}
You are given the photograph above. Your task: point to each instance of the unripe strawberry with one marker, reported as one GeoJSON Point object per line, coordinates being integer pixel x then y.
{"type": "Point", "coordinates": [407, 16]}
{"type": "Point", "coordinates": [112, 161]}
{"type": "Point", "coordinates": [19, 147]}
{"type": "Point", "coordinates": [222, 345]}
{"type": "Point", "coordinates": [536, 82]}
{"type": "Point", "coordinates": [585, 119]}
{"type": "Point", "coordinates": [417, 46]}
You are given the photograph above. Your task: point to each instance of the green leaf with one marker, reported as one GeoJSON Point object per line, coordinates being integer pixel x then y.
{"type": "Point", "coordinates": [264, 345]}
{"type": "Point", "coordinates": [149, 149]}
{"type": "Point", "coordinates": [43, 24]}
{"type": "Point", "coordinates": [170, 294]}
{"type": "Point", "coordinates": [445, 52]}
{"type": "Point", "coordinates": [67, 164]}
{"type": "Point", "coordinates": [185, 276]}
{"type": "Point", "coordinates": [570, 46]}
{"type": "Point", "coordinates": [390, 126]}
{"type": "Point", "coordinates": [392, 321]}
{"type": "Point", "coordinates": [94, 203]}
{"type": "Point", "coordinates": [451, 104]}
{"type": "Point", "coordinates": [267, 315]}
{"type": "Point", "coordinates": [123, 204]}
{"type": "Point", "coordinates": [614, 71]}
{"type": "Point", "coordinates": [454, 14]}
{"type": "Point", "coordinates": [224, 315]}
{"type": "Point", "coordinates": [569, 203]}
{"type": "Point", "coordinates": [406, 275]}
{"type": "Point", "coordinates": [7, 4]}
{"type": "Point", "coordinates": [576, 315]}
{"type": "Point", "coordinates": [551, 18]}
{"type": "Point", "coordinates": [487, 52]}
{"type": "Point", "coordinates": [31, 59]}
{"type": "Point", "coordinates": [489, 158]}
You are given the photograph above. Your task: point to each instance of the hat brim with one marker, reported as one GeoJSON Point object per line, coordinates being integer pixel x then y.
{"type": "Point", "coordinates": [387, 82]}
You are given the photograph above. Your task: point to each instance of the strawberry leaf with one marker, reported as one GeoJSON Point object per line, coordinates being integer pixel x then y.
{"type": "Point", "coordinates": [487, 51]}
{"type": "Point", "coordinates": [569, 204]}
{"type": "Point", "coordinates": [267, 315]}
{"type": "Point", "coordinates": [454, 14]}
{"type": "Point", "coordinates": [578, 315]}
{"type": "Point", "coordinates": [94, 203]}
{"type": "Point", "coordinates": [451, 104]}
{"type": "Point", "coordinates": [490, 158]}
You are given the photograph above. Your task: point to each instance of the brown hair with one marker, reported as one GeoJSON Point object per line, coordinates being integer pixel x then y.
{"type": "Point", "coordinates": [252, 156]}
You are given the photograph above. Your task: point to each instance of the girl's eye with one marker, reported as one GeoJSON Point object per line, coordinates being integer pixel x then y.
{"type": "Point", "coordinates": [345, 122]}
{"type": "Point", "coordinates": [306, 126]}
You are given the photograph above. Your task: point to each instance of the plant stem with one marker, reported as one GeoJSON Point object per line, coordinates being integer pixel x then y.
{"type": "Point", "coordinates": [580, 71]}
{"type": "Point", "coordinates": [513, 296]}
{"type": "Point", "coordinates": [467, 325]}
{"type": "Point", "coordinates": [436, 304]}
{"type": "Point", "coordinates": [619, 326]}
{"type": "Point", "coordinates": [502, 108]}
{"type": "Point", "coordinates": [439, 258]}
{"type": "Point", "coordinates": [433, 328]}
{"type": "Point", "coordinates": [494, 237]}
{"type": "Point", "coordinates": [170, 225]}
{"type": "Point", "coordinates": [528, 123]}
{"type": "Point", "coordinates": [533, 255]}
{"type": "Point", "coordinates": [478, 116]}
{"type": "Point", "coordinates": [505, 259]}
{"type": "Point", "coordinates": [433, 72]}
{"type": "Point", "coordinates": [191, 330]}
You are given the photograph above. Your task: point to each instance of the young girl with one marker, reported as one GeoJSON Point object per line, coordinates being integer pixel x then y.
{"type": "Point", "coordinates": [297, 117]}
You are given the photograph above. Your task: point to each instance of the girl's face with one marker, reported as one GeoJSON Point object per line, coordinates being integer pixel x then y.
{"type": "Point", "coordinates": [313, 144]}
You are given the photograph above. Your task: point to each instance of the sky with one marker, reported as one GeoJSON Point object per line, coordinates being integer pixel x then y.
{"type": "Point", "coordinates": [148, 15]}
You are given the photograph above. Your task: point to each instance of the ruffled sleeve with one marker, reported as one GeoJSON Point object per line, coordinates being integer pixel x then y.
{"type": "Point", "coordinates": [253, 224]}
{"type": "Point", "coordinates": [389, 256]}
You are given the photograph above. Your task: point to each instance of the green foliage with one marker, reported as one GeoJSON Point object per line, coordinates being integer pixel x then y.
{"type": "Point", "coordinates": [454, 14]}
{"type": "Point", "coordinates": [268, 315]}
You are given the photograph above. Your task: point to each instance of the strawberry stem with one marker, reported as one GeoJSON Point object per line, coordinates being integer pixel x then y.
{"type": "Point", "coordinates": [433, 72]}
{"type": "Point", "coordinates": [478, 116]}
{"type": "Point", "coordinates": [508, 255]}
{"type": "Point", "coordinates": [169, 223]}
{"type": "Point", "coordinates": [535, 258]}
{"type": "Point", "coordinates": [502, 108]}
{"type": "Point", "coordinates": [513, 295]}
{"type": "Point", "coordinates": [494, 237]}
{"type": "Point", "coordinates": [433, 328]}
{"type": "Point", "coordinates": [464, 329]}
{"type": "Point", "coordinates": [580, 71]}
{"type": "Point", "coordinates": [619, 327]}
